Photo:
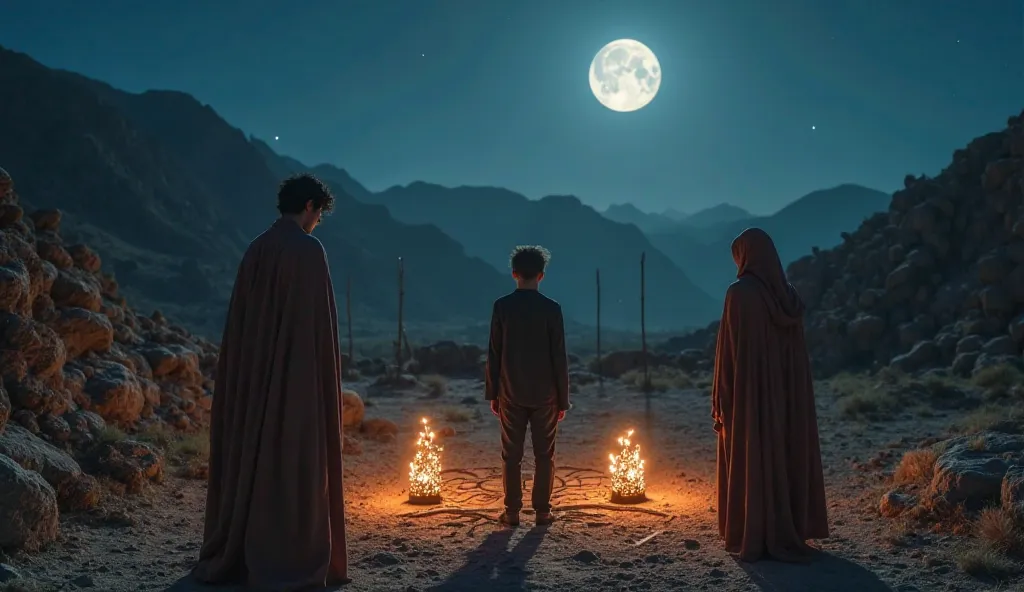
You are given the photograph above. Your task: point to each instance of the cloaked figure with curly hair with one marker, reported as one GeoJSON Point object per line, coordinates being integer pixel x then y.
{"type": "Point", "coordinates": [275, 513]}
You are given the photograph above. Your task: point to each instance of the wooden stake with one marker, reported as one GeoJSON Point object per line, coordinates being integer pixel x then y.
{"type": "Point", "coordinates": [600, 374]}
{"type": "Point", "coordinates": [401, 303]}
{"type": "Point", "coordinates": [643, 325]}
{"type": "Point", "coordinates": [348, 315]}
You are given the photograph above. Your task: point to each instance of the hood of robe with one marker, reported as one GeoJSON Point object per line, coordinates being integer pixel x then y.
{"type": "Point", "coordinates": [756, 256]}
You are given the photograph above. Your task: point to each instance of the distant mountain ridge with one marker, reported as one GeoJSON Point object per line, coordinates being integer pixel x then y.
{"type": "Point", "coordinates": [723, 213]}
{"type": "Point", "coordinates": [490, 221]}
{"type": "Point", "coordinates": [814, 220]}
{"type": "Point", "coordinates": [627, 213]}
{"type": "Point", "coordinates": [670, 219]}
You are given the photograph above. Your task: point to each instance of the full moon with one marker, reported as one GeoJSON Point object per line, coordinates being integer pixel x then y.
{"type": "Point", "coordinates": [625, 75]}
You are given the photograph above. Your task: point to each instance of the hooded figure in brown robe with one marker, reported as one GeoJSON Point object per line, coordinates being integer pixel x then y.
{"type": "Point", "coordinates": [275, 513]}
{"type": "Point", "coordinates": [771, 492]}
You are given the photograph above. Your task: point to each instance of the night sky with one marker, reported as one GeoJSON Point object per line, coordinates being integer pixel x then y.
{"type": "Point", "coordinates": [489, 92]}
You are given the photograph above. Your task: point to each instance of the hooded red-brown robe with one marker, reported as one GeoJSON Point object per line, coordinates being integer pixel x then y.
{"type": "Point", "coordinates": [771, 491]}
{"type": "Point", "coordinates": [275, 512]}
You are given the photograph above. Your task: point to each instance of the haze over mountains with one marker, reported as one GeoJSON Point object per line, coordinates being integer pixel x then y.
{"type": "Point", "coordinates": [170, 194]}
{"type": "Point", "coordinates": [699, 244]}
{"type": "Point", "coordinates": [628, 213]}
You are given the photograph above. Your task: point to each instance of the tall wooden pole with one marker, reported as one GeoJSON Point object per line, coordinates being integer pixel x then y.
{"type": "Point", "coordinates": [401, 302]}
{"type": "Point", "coordinates": [600, 373]}
{"type": "Point", "coordinates": [348, 315]}
{"type": "Point", "coordinates": [643, 322]}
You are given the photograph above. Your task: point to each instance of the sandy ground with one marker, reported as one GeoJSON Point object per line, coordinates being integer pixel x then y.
{"type": "Point", "coordinates": [151, 542]}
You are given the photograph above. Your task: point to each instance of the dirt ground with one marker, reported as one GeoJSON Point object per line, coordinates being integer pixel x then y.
{"type": "Point", "coordinates": [150, 542]}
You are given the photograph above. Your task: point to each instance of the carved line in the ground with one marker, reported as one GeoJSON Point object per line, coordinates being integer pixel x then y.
{"type": "Point", "coordinates": [482, 486]}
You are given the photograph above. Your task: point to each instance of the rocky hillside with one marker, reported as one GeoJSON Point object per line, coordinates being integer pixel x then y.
{"type": "Point", "coordinates": [77, 364]}
{"type": "Point", "coordinates": [489, 222]}
{"type": "Point", "coordinates": [937, 281]}
{"type": "Point", "coordinates": [170, 194]}
{"type": "Point", "coordinates": [814, 220]}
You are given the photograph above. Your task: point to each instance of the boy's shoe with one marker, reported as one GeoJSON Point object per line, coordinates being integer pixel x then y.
{"type": "Point", "coordinates": [545, 518]}
{"type": "Point", "coordinates": [509, 518]}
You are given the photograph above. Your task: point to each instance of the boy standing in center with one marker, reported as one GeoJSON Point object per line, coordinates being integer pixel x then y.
{"type": "Point", "coordinates": [527, 381]}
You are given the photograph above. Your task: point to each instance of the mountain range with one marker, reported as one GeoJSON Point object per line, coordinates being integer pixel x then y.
{"type": "Point", "coordinates": [816, 220]}
{"type": "Point", "coordinates": [699, 243]}
{"type": "Point", "coordinates": [169, 194]}
{"type": "Point", "coordinates": [167, 191]}
{"type": "Point", "coordinates": [669, 219]}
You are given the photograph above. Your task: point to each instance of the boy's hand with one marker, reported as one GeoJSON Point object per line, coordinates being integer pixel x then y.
{"type": "Point", "coordinates": [495, 408]}
{"type": "Point", "coordinates": [561, 415]}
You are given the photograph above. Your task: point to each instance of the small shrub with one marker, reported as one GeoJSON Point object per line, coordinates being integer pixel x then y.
{"type": "Point", "coordinates": [878, 403]}
{"type": "Point", "coordinates": [457, 415]}
{"type": "Point", "coordinates": [111, 434]}
{"type": "Point", "coordinates": [662, 378]}
{"type": "Point", "coordinates": [436, 384]}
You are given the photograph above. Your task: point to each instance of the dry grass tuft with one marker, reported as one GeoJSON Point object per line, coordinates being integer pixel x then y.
{"type": "Point", "coordinates": [181, 447]}
{"type": "Point", "coordinates": [112, 434]}
{"type": "Point", "coordinates": [662, 378]}
{"type": "Point", "coordinates": [456, 415]}
{"type": "Point", "coordinates": [1000, 530]}
{"type": "Point", "coordinates": [879, 403]}
{"type": "Point", "coordinates": [977, 443]}
{"type": "Point", "coordinates": [917, 467]}
{"type": "Point", "coordinates": [437, 385]}
{"type": "Point", "coordinates": [984, 562]}
{"type": "Point", "coordinates": [991, 417]}
{"type": "Point", "coordinates": [998, 544]}
{"type": "Point", "coordinates": [1001, 377]}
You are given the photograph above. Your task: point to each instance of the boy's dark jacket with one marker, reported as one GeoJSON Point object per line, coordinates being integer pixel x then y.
{"type": "Point", "coordinates": [527, 363]}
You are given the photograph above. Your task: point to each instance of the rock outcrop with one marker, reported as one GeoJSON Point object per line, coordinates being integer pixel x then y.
{"type": "Point", "coordinates": [972, 471]}
{"type": "Point", "coordinates": [75, 362]}
{"type": "Point", "coordinates": [937, 281]}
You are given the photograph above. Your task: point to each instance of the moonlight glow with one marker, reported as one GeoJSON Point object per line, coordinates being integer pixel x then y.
{"type": "Point", "coordinates": [625, 75]}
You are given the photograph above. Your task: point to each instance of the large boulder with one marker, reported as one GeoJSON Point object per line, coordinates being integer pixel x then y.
{"type": "Point", "coordinates": [353, 409]}
{"type": "Point", "coordinates": [83, 331]}
{"type": "Point", "coordinates": [971, 469]}
{"type": "Point", "coordinates": [130, 462]}
{"type": "Point", "coordinates": [28, 508]}
{"type": "Point", "coordinates": [74, 489]}
{"type": "Point", "coordinates": [448, 358]}
{"type": "Point", "coordinates": [115, 393]}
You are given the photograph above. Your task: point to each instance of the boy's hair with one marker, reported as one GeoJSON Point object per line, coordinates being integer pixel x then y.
{"type": "Point", "coordinates": [295, 191]}
{"type": "Point", "coordinates": [529, 261]}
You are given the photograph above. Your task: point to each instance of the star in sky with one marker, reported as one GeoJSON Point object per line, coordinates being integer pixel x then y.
{"type": "Point", "coordinates": [277, 137]}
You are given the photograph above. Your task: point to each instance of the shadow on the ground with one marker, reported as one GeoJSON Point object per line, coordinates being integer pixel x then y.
{"type": "Point", "coordinates": [493, 566]}
{"type": "Point", "coordinates": [189, 584]}
{"type": "Point", "coordinates": [825, 572]}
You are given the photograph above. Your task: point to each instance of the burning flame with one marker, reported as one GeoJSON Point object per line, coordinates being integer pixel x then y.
{"type": "Point", "coordinates": [627, 469]}
{"type": "Point", "coordinates": [425, 469]}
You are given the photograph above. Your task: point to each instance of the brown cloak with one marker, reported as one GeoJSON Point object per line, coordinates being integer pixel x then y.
{"type": "Point", "coordinates": [771, 492]}
{"type": "Point", "coordinates": [275, 513]}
